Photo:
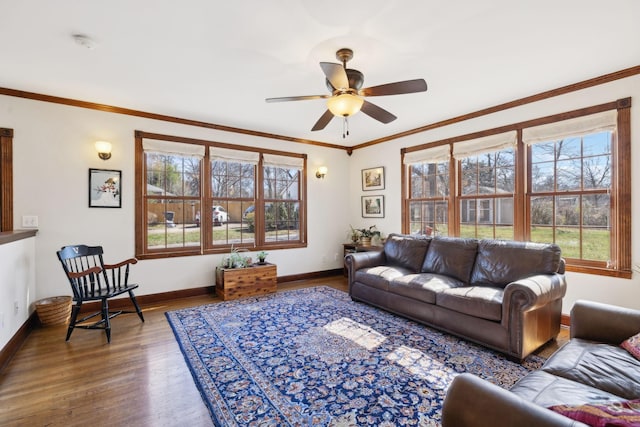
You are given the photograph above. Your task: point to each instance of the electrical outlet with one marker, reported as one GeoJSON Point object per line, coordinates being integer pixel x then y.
{"type": "Point", "coordinates": [29, 221]}
{"type": "Point", "coordinates": [16, 307]}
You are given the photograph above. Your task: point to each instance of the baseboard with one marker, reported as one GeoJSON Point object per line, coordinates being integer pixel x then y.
{"type": "Point", "coordinates": [309, 276]}
{"type": "Point", "coordinates": [32, 322]}
{"type": "Point", "coordinates": [14, 344]}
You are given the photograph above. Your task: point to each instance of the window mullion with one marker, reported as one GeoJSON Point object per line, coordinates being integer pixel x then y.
{"type": "Point", "coordinates": [522, 170]}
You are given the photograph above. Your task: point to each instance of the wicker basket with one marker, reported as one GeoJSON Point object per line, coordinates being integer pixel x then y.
{"type": "Point", "coordinates": [54, 310]}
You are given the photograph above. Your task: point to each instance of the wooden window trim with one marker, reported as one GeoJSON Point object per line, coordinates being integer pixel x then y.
{"type": "Point", "coordinates": [6, 179]}
{"type": "Point", "coordinates": [206, 201]}
{"type": "Point", "coordinates": [620, 194]}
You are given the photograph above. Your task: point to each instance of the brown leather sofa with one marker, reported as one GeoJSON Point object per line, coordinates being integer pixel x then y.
{"type": "Point", "coordinates": [505, 295]}
{"type": "Point", "coordinates": [590, 368]}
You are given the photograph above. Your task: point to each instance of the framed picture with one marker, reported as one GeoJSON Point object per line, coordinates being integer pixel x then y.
{"type": "Point", "coordinates": [105, 188]}
{"type": "Point", "coordinates": [373, 206]}
{"type": "Point", "coordinates": [373, 179]}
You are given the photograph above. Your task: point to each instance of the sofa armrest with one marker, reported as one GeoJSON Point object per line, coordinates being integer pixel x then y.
{"type": "Point", "coordinates": [357, 260]}
{"type": "Point", "coordinates": [603, 322]}
{"type": "Point", "coordinates": [534, 291]}
{"type": "Point", "coordinates": [474, 402]}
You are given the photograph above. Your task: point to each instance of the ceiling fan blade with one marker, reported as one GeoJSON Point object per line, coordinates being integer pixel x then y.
{"type": "Point", "coordinates": [336, 75]}
{"type": "Point", "coordinates": [296, 98]}
{"type": "Point", "coordinates": [397, 88]}
{"type": "Point", "coordinates": [323, 121]}
{"type": "Point", "coordinates": [380, 114]}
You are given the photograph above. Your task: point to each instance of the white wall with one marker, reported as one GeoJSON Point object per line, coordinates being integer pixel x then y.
{"type": "Point", "coordinates": [53, 150]}
{"type": "Point", "coordinates": [17, 285]}
{"type": "Point", "coordinates": [622, 292]}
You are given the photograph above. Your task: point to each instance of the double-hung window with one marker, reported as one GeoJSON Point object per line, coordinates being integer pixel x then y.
{"type": "Point", "coordinates": [564, 179]}
{"type": "Point", "coordinates": [197, 197]}
{"type": "Point", "coordinates": [233, 196]}
{"type": "Point", "coordinates": [486, 185]}
{"type": "Point", "coordinates": [570, 186]}
{"type": "Point", "coordinates": [429, 183]}
{"type": "Point", "coordinates": [172, 195]}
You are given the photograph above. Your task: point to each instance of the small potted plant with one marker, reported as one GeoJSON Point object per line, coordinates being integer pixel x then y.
{"type": "Point", "coordinates": [355, 235]}
{"type": "Point", "coordinates": [366, 234]}
{"type": "Point", "coordinates": [235, 260]}
{"type": "Point", "coordinates": [262, 256]}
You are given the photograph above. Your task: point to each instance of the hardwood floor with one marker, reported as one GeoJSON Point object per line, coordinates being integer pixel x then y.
{"type": "Point", "coordinates": [140, 379]}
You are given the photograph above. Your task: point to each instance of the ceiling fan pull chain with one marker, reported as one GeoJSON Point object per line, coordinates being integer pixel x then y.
{"type": "Point", "coordinates": [345, 127]}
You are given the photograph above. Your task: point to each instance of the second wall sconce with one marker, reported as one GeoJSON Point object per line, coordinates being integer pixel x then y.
{"type": "Point", "coordinates": [104, 149]}
{"type": "Point", "coordinates": [321, 172]}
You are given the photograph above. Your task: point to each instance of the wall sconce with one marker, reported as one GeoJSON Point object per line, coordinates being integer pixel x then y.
{"type": "Point", "coordinates": [321, 172]}
{"type": "Point", "coordinates": [104, 149]}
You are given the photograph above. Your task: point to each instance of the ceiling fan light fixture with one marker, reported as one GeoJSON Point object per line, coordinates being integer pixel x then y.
{"type": "Point", "coordinates": [344, 105]}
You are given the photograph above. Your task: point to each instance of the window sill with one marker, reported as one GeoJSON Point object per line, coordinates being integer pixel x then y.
{"type": "Point", "coordinates": [622, 274]}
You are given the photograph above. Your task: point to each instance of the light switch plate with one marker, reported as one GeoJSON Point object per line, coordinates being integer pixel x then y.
{"type": "Point", "coordinates": [29, 221]}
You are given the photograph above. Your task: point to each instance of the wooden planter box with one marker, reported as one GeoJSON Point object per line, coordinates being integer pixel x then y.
{"type": "Point", "coordinates": [233, 283]}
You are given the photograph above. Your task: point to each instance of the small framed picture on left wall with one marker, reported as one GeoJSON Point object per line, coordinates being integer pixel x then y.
{"type": "Point", "coordinates": [105, 188]}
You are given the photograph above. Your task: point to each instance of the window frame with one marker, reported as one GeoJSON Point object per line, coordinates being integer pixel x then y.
{"type": "Point", "coordinates": [6, 179]}
{"type": "Point", "coordinates": [206, 198]}
{"type": "Point", "coordinates": [620, 196]}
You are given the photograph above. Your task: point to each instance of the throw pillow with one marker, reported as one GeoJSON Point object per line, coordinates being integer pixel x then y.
{"type": "Point", "coordinates": [632, 345]}
{"type": "Point", "coordinates": [625, 413]}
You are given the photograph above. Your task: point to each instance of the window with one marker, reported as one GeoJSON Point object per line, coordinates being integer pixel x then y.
{"type": "Point", "coordinates": [429, 191]}
{"type": "Point", "coordinates": [233, 196]}
{"type": "Point", "coordinates": [196, 197]}
{"type": "Point", "coordinates": [570, 186]}
{"type": "Point", "coordinates": [486, 176]}
{"type": "Point", "coordinates": [281, 198]}
{"type": "Point", "coordinates": [563, 179]}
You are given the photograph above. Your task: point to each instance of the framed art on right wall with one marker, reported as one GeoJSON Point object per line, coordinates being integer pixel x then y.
{"type": "Point", "coordinates": [373, 179]}
{"type": "Point", "coordinates": [373, 206]}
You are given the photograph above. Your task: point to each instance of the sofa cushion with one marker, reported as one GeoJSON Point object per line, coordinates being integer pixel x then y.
{"type": "Point", "coordinates": [548, 390]}
{"type": "Point", "coordinates": [501, 262]}
{"type": "Point", "coordinates": [451, 256]}
{"type": "Point", "coordinates": [476, 301]}
{"type": "Point", "coordinates": [632, 345]}
{"type": "Point", "coordinates": [379, 277]}
{"type": "Point", "coordinates": [625, 413]}
{"type": "Point", "coordinates": [603, 366]}
{"type": "Point", "coordinates": [423, 286]}
{"type": "Point", "coordinates": [406, 251]}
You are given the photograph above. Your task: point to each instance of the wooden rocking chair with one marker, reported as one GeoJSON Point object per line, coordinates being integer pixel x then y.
{"type": "Point", "coordinates": [92, 280]}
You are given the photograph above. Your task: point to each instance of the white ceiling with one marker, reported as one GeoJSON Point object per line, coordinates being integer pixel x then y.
{"type": "Point", "coordinates": [216, 61]}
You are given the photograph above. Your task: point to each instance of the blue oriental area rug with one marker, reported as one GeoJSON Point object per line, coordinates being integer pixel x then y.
{"type": "Point", "coordinates": [313, 357]}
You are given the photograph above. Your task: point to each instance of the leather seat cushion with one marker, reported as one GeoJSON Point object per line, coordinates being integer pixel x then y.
{"type": "Point", "coordinates": [379, 277]}
{"type": "Point", "coordinates": [406, 251]}
{"type": "Point", "coordinates": [451, 256]}
{"type": "Point", "coordinates": [500, 262]}
{"type": "Point", "coordinates": [423, 287]}
{"type": "Point", "coordinates": [547, 390]}
{"type": "Point", "coordinates": [477, 301]}
{"type": "Point", "coordinates": [602, 366]}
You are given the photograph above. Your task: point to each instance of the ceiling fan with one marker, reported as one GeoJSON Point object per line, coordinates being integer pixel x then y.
{"type": "Point", "coordinates": [347, 95]}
